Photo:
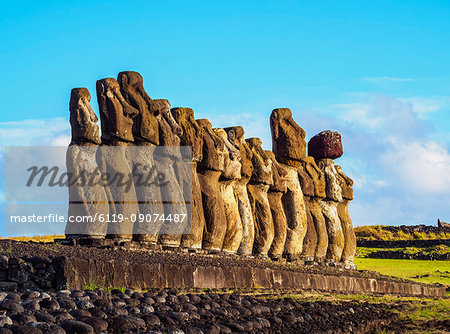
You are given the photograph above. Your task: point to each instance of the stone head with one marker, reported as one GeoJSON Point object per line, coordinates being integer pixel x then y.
{"type": "Point", "coordinates": [83, 120]}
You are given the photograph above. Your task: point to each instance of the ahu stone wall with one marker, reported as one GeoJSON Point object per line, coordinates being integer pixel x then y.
{"type": "Point", "coordinates": [291, 202]}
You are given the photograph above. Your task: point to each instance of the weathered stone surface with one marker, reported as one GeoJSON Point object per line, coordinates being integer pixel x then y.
{"type": "Point", "coordinates": [325, 145]}
{"type": "Point", "coordinates": [172, 194]}
{"type": "Point", "coordinates": [195, 237]}
{"type": "Point", "coordinates": [310, 240]}
{"type": "Point", "coordinates": [348, 253]}
{"type": "Point", "coordinates": [145, 124]}
{"type": "Point", "coordinates": [294, 208]}
{"type": "Point", "coordinates": [314, 209]}
{"type": "Point", "coordinates": [288, 138]}
{"type": "Point", "coordinates": [213, 148]}
{"type": "Point", "coordinates": [83, 120]}
{"type": "Point", "coordinates": [336, 239]}
{"type": "Point", "coordinates": [274, 195]}
{"type": "Point", "coordinates": [230, 176]}
{"type": "Point", "coordinates": [116, 120]}
{"type": "Point", "coordinates": [146, 136]}
{"type": "Point", "coordinates": [81, 158]}
{"type": "Point", "coordinates": [346, 183]}
{"type": "Point", "coordinates": [260, 182]}
{"type": "Point", "coordinates": [236, 137]}
{"type": "Point", "coordinates": [116, 114]}
{"type": "Point", "coordinates": [209, 171]}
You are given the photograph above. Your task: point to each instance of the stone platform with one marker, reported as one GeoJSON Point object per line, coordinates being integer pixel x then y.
{"type": "Point", "coordinates": [79, 273]}
{"type": "Point", "coordinates": [31, 266]}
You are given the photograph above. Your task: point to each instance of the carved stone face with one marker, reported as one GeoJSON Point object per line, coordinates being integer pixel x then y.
{"type": "Point", "coordinates": [236, 137]}
{"type": "Point", "coordinates": [116, 114]}
{"type": "Point", "coordinates": [82, 118]}
{"type": "Point", "coordinates": [213, 148]}
{"type": "Point", "coordinates": [168, 128]}
{"type": "Point", "coordinates": [232, 165]}
{"type": "Point", "coordinates": [288, 138]}
{"type": "Point", "coordinates": [192, 132]}
{"type": "Point", "coordinates": [145, 124]}
{"type": "Point", "coordinates": [262, 165]}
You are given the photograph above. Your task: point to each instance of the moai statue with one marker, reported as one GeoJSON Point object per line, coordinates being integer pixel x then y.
{"type": "Point", "coordinates": [116, 117]}
{"type": "Point", "coordinates": [87, 199]}
{"type": "Point", "coordinates": [258, 187]}
{"type": "Point", "coordinates": [169, 160]}
{"type": "Point", "coordinates": [275, 193]}
{"type": "Point", "coordinates": [330, 211]}
{"type": "Point", "coordinates": [229, 177]}
{"type": "Point", "coordinates": [236, 137]}
{"type": "Point", "coordinates": [289, 147]}
{"type": "Point", "coordinates": [324, 147]}
{"type": "Point", "coordinates": [312, 181]}
{"type": "Point", "coordinates": [146, 138]}
{"type": "Point", "coordinates": [348, 254]}
{"type": "Point", "coordinates": [192, 136]}
{"type": "Point", "coordinates": [209, 170]}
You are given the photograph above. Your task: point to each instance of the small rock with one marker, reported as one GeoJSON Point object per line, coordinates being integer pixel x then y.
{"type": "Point", "coordinates": [77, 327]}
{"type": "Point", "coordinates": [97, 324]}
{"type": "Point", "coordinates": [11, 305]}
{"type": "Point", "coordinates": [151, 320]}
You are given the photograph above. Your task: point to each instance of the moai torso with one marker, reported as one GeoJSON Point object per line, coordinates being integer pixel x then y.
{"type": "Point", "coordinates": [192, 136]}
{"type": "Point", "coordinates": [329, 207]}
{"type": "Point", "coordinates": [260, 181]}
{"type": "Point", "coordinates": [275, 193]}
{"type": "Point", "coordinates": [346, 184]}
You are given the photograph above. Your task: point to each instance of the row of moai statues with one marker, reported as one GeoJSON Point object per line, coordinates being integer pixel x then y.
{"type": "Point", "coordinates": [243, 200]}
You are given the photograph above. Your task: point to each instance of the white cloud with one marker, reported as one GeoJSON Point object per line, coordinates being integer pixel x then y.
{"type": "Point", "coordinates": [420, 167]}
{"type": "Point", "coordinates": [378, 80]}
{"type": "Point", "coordinates": [34, 132]}
{"type": "Point", "coordinates": [426, 105]}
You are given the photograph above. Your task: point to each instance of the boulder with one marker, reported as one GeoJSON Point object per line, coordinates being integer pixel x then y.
{"type": "Point", "coordinates": [325, 145]}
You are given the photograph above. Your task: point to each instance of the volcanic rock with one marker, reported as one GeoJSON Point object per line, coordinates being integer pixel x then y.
{"type": "Point", "coordinates": [325, 145]}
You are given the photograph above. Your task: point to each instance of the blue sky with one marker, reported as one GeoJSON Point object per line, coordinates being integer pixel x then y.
{"type": "Point", "coordinates": [377, 72]}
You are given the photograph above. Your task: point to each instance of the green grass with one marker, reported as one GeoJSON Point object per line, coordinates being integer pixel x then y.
{"type": "Point", "coordinates": [437, 271]}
